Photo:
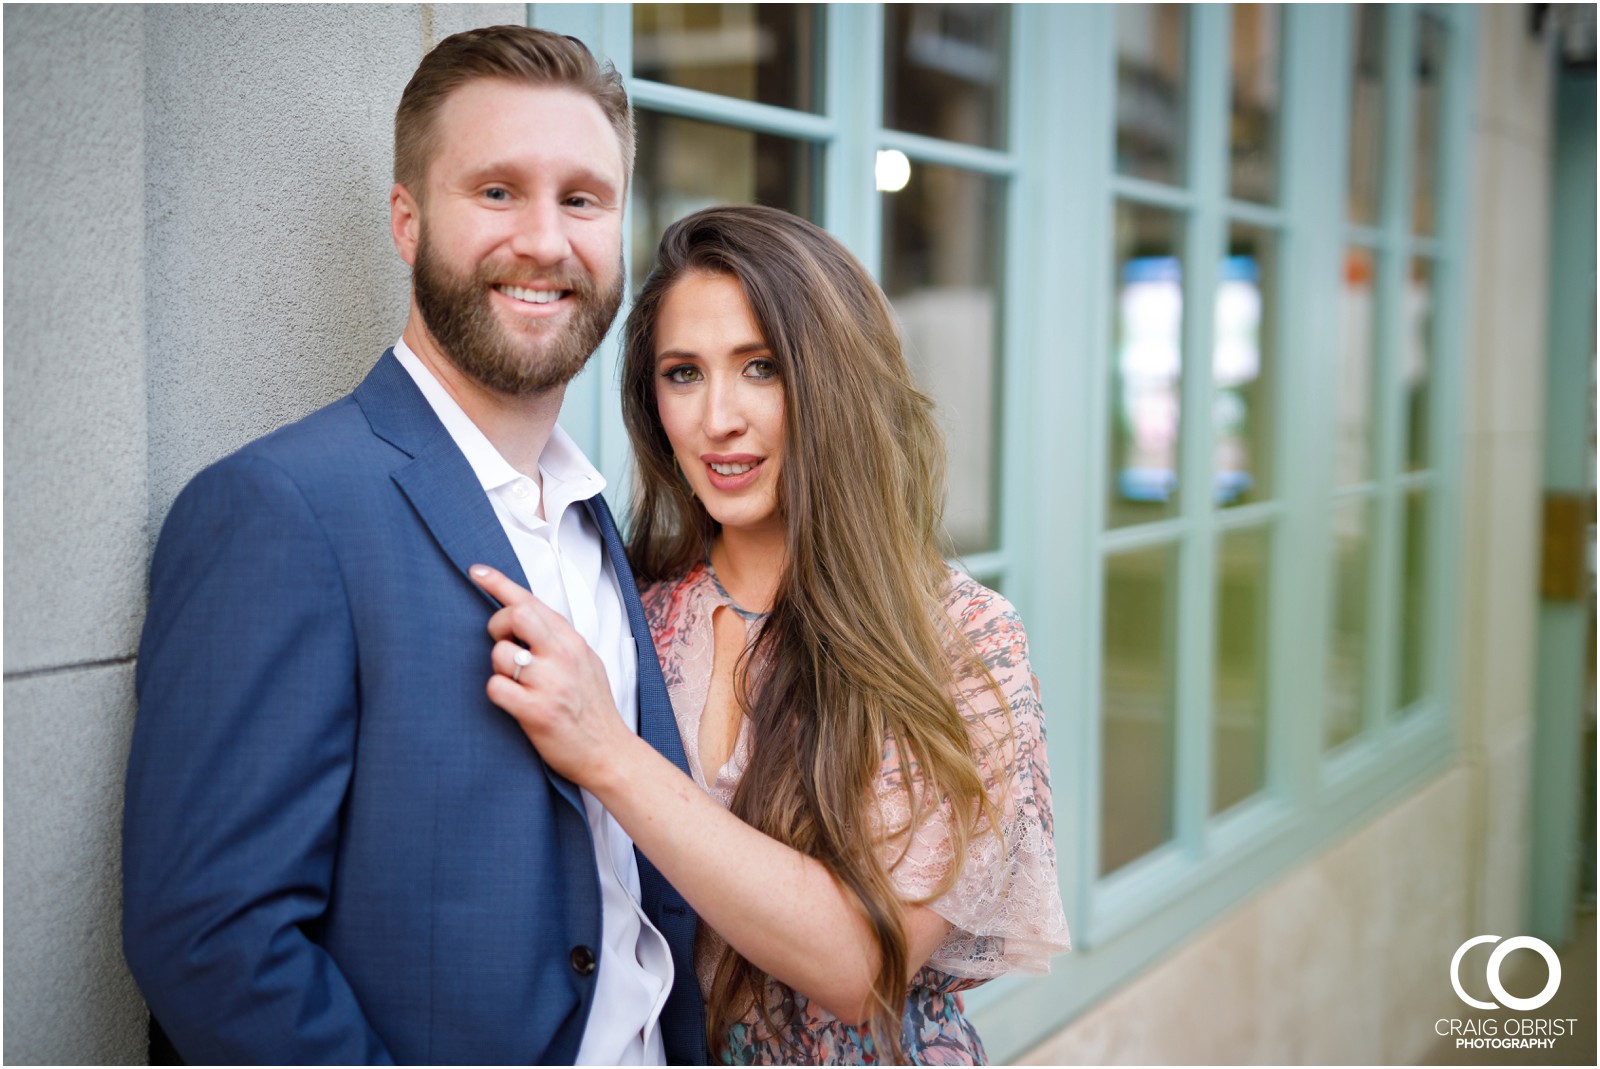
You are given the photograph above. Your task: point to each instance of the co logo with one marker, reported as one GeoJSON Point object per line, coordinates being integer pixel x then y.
{"type": "Point", "coordinates": [1496, 958]}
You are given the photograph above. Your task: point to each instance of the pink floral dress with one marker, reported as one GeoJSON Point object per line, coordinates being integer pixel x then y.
{"type": "Point", "coordinates": [1004, 908]}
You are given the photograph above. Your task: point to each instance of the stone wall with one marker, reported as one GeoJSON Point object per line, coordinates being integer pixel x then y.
{"type": "Point", "coordinates": [196, 251]}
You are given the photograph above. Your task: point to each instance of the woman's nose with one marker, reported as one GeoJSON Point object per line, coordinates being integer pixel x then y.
{"type": "Point", "coordinates": [724, 412]}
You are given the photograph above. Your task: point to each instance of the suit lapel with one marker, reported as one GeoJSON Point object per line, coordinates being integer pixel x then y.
{"type": "Point", "coordinates": [444, 490]}
{"type": "Point", "coordinates": [683, 1017]}
{"type": "Point", "coordinates": [657, 725]}
{"type": "Point", "coordinates": [438, 481]}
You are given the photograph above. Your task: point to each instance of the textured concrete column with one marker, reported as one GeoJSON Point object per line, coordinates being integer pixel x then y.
{"type": "Point", "coordinates": [76, 511]}
{"type": "Point", "coordinates": [197, 251]}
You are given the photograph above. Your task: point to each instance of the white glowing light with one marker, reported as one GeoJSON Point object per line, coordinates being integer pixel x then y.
{"type": "Point", "coordinates": [893, 170]}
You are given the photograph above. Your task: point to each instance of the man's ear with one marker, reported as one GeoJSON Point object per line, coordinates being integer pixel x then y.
{"type": "Point", "coordinates": [405, 222]}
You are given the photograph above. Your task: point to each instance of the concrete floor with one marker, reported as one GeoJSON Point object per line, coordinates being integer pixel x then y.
{"type": "Point", "coordinates": [1575, 999]}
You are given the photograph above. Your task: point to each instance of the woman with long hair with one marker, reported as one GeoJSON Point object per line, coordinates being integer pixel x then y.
{"type": "Point", "coordinates": [868, 830]}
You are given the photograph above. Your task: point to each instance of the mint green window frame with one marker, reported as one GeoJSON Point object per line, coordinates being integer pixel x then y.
{"type": "Point", "coordinates": [1055, 343]}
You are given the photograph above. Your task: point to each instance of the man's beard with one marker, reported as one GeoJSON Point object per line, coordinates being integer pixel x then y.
{"type": "Point", "coordinates": [504, 359]}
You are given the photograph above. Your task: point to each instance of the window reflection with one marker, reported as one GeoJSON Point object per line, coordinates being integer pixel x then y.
{"type": "Point", "coordinates": [1146, 366]}
{"type": "Point", "coordinates": [1239, 712]}
{"type": "Point", "coordinates": [1429, 74]}
{"type": "Point", "coordinates": [941, 271]}
{"type": "Point", "coordinates": [1347, 641]}
{"type": "Point", "coordinates": [1352, 460]}
{"type": "Point", "coordinates": [1253, 131]}
{"type": "Point", "coordinates": [1138, 728]}
{"type": "Point", "coordinates": [1366, 115]}
{"type": "Point", "coordinates": [945, 67]}
{"type": "Point", "coordinates": [1414, 600]}
{"type": "Point", "coordinates": [1152, 90]}
{"type": "Point", "coordinates": [1241, 366]}
{"type": "Point", "coordinates": [1417, 362]}
{"type": "Point", "coordinates": [685, 165]}
{"type": "Point", "coordinates": [768, 53]}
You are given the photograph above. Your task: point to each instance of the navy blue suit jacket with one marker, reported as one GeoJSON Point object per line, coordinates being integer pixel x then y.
{"type": "Point", "coordinates": [335, 849]}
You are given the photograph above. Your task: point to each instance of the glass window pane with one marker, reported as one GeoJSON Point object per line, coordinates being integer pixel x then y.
{"type": "Point", "coordinates": [1347, 633]}
{"type": "Point", "coordinates": [1352, 460]}
{"type": "Point", "coordinates": [1417, 368]}
{"type": "Point", "coordinates": [941, 270]}
{"type": "Point", "coordinates": [1414, 600]}
{"type": "Point", "coordinates": [1152, 90]}
{"type": "Point", "coordinates": [1138, 730]}
{"type": "Point", "coordinates": [1429, 75]}
{"type": "Point", "coordinates": [685, 165]}
{"type": "Point", "coordinates": [1241, 366]}
{"type": "Point", "coordinates": [1239, 710]}
{"type": "Point", "coordinates": [945, 68]}
{"type": "Point", "coordinates": [1253, 132]}
{"type": "Point", "coordinates": [768, 53]}
{"type": "Point", "coordinates": [1146, 365]}
{"type": "Point", "coordinates": [1366, 115]}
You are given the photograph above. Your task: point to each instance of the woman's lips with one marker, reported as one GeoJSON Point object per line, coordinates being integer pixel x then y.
{"type": "Point", "coordinates": [737, 471]}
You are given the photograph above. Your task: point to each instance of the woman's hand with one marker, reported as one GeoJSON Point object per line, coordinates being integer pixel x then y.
{"type": "Point", "coordinates": [782, 910]}
{"type": "Point", "coordinates": [547, 677]}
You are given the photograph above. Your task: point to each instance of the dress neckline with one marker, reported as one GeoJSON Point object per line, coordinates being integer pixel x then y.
{"type": "Point", "coordinates": [738, 610]}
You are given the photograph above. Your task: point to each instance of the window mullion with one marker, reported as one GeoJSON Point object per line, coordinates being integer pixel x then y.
{"type": "Point", "coordinates": [1205, 228]}
{"type": "Point", "coordinates": [1017, 474]}
{"type": "Point", "coordinates": [1317, 66]}
{"type": "Point", "coordinates": [1074, 130]}
{"type": "Point", "coordinates": [853, 101]}
{"type": "Point", "coordinates": [1455, 179]}
{"type": "Point", "coordinates": [1393, 270]}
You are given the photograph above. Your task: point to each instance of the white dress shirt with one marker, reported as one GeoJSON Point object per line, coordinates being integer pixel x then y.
{"type": "Point", "coordinates": [566, 567]}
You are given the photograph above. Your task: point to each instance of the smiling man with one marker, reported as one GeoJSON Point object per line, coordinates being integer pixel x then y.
{"type": "Point", "coordinates": [335, 849]}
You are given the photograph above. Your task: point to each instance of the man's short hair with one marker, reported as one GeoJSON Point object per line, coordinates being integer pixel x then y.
{"type": "Point", "coordinates": [519, 54]}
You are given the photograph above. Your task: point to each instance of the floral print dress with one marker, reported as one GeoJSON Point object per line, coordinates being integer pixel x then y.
{"type": "Point", "coordinates": [1004, 908]}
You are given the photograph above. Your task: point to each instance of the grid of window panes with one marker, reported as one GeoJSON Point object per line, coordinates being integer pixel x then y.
{"type": "Point", "coordinates": [942, 220]}
{"type": "Point", "coordinates": [762, 53]}
{"type": "Point", "coordinates": [1384, 488]}
{"type": "Point", "coordinates": [1265, 477]}
{"type": "Point", "coordinates": [943, 234]}
{"type": "Point", "coordinates": [1222, 525]}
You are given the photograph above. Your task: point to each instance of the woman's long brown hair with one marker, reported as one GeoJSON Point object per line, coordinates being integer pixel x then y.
{"type": "Point", "coordinates": [857, 652]}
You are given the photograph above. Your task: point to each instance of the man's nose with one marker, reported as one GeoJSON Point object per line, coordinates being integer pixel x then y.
{"type": "Point", "coordinates": [541, 234]}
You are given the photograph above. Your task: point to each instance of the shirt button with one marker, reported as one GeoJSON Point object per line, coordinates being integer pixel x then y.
{"type": "Point", "coordinates": [520, 488]}
{"type": "Point", "coordinates": [582, 959]}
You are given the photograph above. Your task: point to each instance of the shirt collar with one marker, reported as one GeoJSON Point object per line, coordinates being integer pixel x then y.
{"type": "Point", "coordinates": [566, 473]}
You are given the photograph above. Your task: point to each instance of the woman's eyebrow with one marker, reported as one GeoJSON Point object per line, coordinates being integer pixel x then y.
{"type": "Point", "coordinates": [737, 350]}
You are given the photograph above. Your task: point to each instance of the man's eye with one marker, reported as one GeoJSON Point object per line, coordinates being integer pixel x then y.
{"type": "Point", "coordinates": [580, 202]}
{"type": "Point", "coordinates": [683, 373]}
{"type": "Point", "coordinates": [497, 194]}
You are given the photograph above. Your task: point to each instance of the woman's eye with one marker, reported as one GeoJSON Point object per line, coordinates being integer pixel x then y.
{"type": "Point", "coordinates": [683, 373]}
{"type": "Point", "coordinates": [761, 369]}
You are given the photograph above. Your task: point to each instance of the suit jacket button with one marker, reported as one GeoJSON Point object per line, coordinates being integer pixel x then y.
{"type": "Point", "coordinates": [582, 959]}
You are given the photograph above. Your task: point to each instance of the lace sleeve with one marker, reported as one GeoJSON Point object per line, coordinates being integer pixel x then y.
{"type": "Point", "coordinates": [1004, 907]}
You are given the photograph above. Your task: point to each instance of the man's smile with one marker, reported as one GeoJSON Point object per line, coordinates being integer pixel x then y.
{"type": "Point", "coordinates": [532, 298]}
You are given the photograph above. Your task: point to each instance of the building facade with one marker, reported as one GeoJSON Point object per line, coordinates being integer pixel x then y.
{"type": "Point", "coordinates": [1237, 322]}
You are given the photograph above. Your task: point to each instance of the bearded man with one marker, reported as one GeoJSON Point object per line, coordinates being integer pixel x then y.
{"type": "Point", "coordinates": [335, 848]}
